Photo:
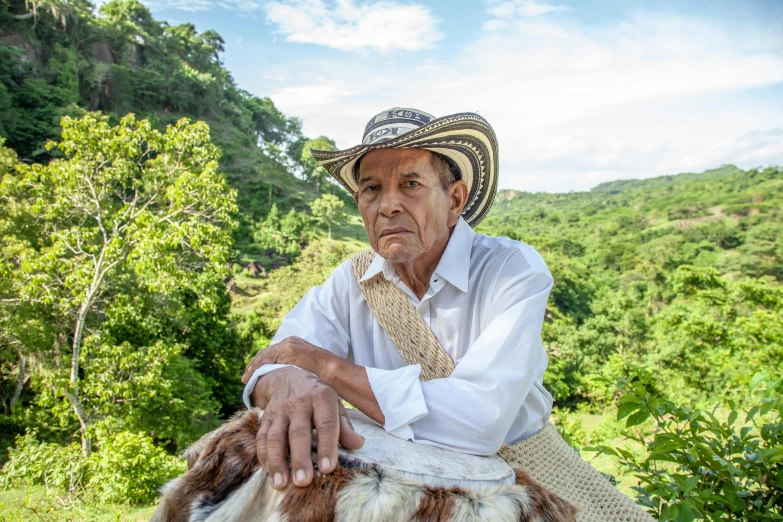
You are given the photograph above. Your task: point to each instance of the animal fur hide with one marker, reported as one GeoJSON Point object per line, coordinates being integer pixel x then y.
{"type": "Point", "coordinates": [225, 483]}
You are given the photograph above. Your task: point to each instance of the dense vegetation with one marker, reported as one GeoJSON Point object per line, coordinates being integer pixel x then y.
{"type": "Point", "coordinates": [57, 58]}
{"type": "Point", "coordinates": [145, 258]}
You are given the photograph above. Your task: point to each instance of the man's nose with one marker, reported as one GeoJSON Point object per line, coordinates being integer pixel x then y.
{"type": "Point", "coordinates": [390, 203]}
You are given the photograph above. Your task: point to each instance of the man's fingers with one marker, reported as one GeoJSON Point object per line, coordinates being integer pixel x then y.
{"type": "Point", "coordinates": [266, 423]}
{"type": "Point", "coordinates": [277, 452]}
{"type": "Point", "coordinates": [266, 356]}
{"type": "Point", "coordinates": [349, 439]}
{"type": "Point", "coordinates": [300, 440]}
{"type": "Point", "coordinates": [327, 425]}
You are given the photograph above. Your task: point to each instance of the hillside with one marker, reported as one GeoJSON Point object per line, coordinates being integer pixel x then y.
{"type": "Point", "coordinates": [69, 59]}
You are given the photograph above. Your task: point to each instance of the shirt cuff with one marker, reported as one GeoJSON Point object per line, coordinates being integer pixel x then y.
{"type": "Point", "coordinates": [251, 384]}
{"type": "Point", "coordinates": [400, 398]}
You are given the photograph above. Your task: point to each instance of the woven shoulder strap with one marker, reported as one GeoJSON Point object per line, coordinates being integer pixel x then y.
{"type": "Point", "coordinates": [397, 316]}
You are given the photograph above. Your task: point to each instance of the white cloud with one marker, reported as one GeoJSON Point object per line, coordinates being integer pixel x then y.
{"type": "Point", "coordinates": [344, 25]}
{"type": "Point", "coordinates": [575, 105]}
{"type": "Point", "coordinates": [524, 8]}
{"type": "Point", "coordinates": [505, 11]}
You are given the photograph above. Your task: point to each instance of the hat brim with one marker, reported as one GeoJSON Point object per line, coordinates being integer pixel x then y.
{"type": "Point", "coordinates": [465, 138]}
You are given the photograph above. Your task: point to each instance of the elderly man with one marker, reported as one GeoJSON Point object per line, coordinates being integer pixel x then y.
{"type": "Point", "coordinates": [420, 184]}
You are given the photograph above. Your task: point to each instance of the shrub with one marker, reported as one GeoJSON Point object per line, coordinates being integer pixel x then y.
{"type": "Point", "coordinates": [36, 463]}
{"type": "Point", "coordinates": [570, 428]}
{"type": "Point", "coordinates": [697, 466]}
{"type": "Point", "coordinates": [128, 469]}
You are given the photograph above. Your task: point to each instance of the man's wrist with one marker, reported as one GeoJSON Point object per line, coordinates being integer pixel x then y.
{"type": "Point", "coordinates": [265, 387]}
{"type": "Point", "coordinates": [329, 368]}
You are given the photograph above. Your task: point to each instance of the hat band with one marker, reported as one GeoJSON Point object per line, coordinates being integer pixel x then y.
{"type": "Point", "coordinates": [388, 132]}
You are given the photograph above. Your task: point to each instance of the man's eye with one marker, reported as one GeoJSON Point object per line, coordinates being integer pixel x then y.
{"type": "Point", "coordinates": [412, 183]}
{"type": "Point", "coordinates": [371, 188]}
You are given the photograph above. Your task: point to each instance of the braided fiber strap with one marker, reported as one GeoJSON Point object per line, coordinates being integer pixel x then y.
{"type": "Point", "coordinates": [395, 313]}
{"type": "Point", "coordinates": [545, 456]}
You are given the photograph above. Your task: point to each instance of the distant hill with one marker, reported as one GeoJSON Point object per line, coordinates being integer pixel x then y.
{"type": "Point", "coordinates": [614, 187]}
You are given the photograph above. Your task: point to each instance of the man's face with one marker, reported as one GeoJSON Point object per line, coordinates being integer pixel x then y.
{"type": "Point", "coordinates": [406, 210]}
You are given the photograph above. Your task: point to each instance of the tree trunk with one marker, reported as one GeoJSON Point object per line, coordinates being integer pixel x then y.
{"type": "Point", "coordinates": [84, 421]}
{"type": "Point", "coordinates": [329, 226]}
{"type": "Point", "coordinates": [19, 382]}
{"type": "Point", "coordinates": [73, 394]}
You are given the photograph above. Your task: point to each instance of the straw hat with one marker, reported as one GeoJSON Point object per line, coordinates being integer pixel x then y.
{"type": "Point", "coordinates": [465, 140]}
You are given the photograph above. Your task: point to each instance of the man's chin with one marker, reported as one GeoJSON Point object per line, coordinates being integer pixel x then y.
{"type": "Point", "coordinates": [400, 253]}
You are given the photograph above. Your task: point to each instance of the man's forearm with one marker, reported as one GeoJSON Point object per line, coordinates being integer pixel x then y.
{"type": "Point", "coordinates": [351, 383]}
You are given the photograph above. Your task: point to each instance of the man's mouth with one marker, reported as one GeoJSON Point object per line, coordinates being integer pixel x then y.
{"type": "Point", "coordinates": [393, 231]}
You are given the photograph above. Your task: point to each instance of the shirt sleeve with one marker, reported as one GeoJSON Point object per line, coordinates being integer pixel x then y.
{"type": "Point", "coordinates": [320, 317]}
{"type": "Point", "coordinates": [472, 410]}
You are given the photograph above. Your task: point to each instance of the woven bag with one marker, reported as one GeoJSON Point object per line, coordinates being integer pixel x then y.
{"type": "Point", "coordinates": [545, 455]}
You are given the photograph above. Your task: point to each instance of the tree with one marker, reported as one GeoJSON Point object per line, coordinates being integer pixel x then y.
{"type": "Point", "coordinates": [328, 209]}
{"type": "Point", "coordinates": [312, 171]}
{"type": "Point", "coordinates": [128, 208]}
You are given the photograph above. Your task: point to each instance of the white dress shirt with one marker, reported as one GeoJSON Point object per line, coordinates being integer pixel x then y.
{"type": "Point", "coordinates": [485, 304]}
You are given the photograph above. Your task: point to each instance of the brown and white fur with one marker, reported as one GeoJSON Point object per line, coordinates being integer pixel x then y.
{"type": "Point", "coordinates": [224, 483]}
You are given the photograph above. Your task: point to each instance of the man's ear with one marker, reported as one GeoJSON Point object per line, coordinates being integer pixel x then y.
{"type": "Point", "coordinates": [458, 197]}
{"type": "Point", "coordinates": [356, 197]}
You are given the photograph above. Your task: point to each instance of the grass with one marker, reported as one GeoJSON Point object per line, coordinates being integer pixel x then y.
{"type": "Point", "coordinates": [350, 230]}
{"type": "Point", "coordinates": [35, 503]}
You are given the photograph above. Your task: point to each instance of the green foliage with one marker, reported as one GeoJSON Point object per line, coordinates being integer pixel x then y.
{"type": "Point", "coordinates": [312, 171]}
{"type": "Point", "coordinates": [286, 234]}
{"type": "Point", "coordinates": [32, 462]}
{"type": "Point", "coordinates": [150, 389]}
{"type": "Point", "coordinates": [286, 286]}
{"type": "Point", "coordinates": [328, 209]}
{"type": "Point", "coordinates": [130, 219]}
{"type": "Point", "coordinates": [715, 331]}
{"type": "Point", "coordinates": [570, 428]}
{"type": "Point", "coordinates": [700, 464]}
{"type": "Point", "coordinates": [129, 469]}
{"type": "Point", "coordinates": [622, 255]}
{"type": "Point", "coordinates": [68, 61]}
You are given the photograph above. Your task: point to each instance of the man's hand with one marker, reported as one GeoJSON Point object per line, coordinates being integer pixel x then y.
{"type": "Point", "coordinates": [295, 402]}
{"type": "Point", "coordinates": [294, 351]}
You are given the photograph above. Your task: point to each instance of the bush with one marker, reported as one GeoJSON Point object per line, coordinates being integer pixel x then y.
{"type": "Point", "coordinates": [697, 466]}
{"type": "Point", "coordinates": [129, 469]}
{"type": "Point", "coordinates": [36, 463]}
{"type": "Point", "coordinates": [570, 428]}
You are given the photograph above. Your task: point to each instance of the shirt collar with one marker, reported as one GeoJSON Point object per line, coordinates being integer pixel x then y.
{"type": "Point", "coordinates": [454, 264]}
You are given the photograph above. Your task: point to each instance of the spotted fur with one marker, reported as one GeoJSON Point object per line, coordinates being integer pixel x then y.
{"type": "Point", "coordinates": [225, 483]}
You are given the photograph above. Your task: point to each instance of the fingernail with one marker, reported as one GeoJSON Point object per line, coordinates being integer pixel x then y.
{"type": "Point", "coordinates": [278, 480]}
{"type": "Point", "coordinates": [325, 463]}
{"type": "Point", "coordinates": [300, 476]}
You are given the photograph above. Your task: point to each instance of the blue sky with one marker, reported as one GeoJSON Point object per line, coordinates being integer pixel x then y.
{"type": "Point", "coordinates": [579, 92]}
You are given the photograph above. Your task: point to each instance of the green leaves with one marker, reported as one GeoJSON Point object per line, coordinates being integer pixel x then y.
{"type": "Point", "coordinates": [696, 465]}
{"type": "Point", "coordinates": [129, 214]}
{"type": "Point", "coordinates": [328, 209]}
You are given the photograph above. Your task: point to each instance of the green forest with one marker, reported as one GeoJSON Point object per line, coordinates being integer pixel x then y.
{"type": "Point", "coordinates": [158, 221]}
